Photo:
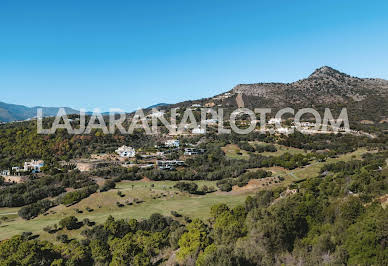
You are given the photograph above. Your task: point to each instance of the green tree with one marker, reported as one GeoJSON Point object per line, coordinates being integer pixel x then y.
{"type": "Point", "coordinates": [194, 240]}
{"type": "Point", "coordinates": [366, 240]}
{"type": "Point", "coordinates": [17, 251]}
{"type": "Point", "coordinates": [70, 223]}
{"type": "Point", "coordinates": [100, 251]}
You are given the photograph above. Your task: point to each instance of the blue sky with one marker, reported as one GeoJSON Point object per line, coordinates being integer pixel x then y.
{"type": "Point", "coordinates": [131, 54]}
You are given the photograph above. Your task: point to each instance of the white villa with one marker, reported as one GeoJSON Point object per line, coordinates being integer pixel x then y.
{"type": "Point", "coordinates": [125, 151]}
{"type": "Point", "coordinates": [283, 130]}
{"type": "Point", "coordinates": [210, 121]}
{"type": "Point", "coordinates": [193, 151]}
{"type": "Point", "coordinates": [274, 121]}
{"type": "Point", "coordinates": [33, 165]}
{"type": "Point", "coordinates": [156, 114]}
{"type": "Point", "coordinates": [15, 169]}
{"type": "Point", "coordinates": [169, 165]}
{"type": "Point", "coordinates": [5, 173]}
{"type": "Point", "coordinates": [198, 130]}
{"type": "Point", "coordinates": [172, 143]}
{"type": "Point", "coordinates": [305, 124]}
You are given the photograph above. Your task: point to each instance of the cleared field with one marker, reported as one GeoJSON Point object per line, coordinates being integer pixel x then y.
{"type": "Point", "coordinates": [310, 170]}
{"type": "Point", "coordinates": [232, 151]}
{"type": "Point", "coordinates": [280, 149]}
{"type": "Point", "coordinates": [314, 167]}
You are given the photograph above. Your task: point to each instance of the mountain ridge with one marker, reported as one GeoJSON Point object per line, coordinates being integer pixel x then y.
{"type": "Point", "coordinates": [325, 87]}
{"type": "Point", "coordinates": [16, 112]}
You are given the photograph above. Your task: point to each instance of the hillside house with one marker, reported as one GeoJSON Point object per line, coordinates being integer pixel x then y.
{"type": "Point", "coordinates": [16, 169]}
{"type": "Point", "coordinates": [172, 143]}
{"type": "Point", "coordinates": [193, 151]}
{"type": "Point", "coordinates": [156, 114]}
{"type": "Point", "coordinates": [283, 130]}
{"type": "Point", "coordinates": [169, 165]}
{"type": "Point", "coordinates": [34, 166]}
{"type": "Point", "coordinates": [5, 173]}
{"type": "Point", "coordinates": [274, 121]}
{"type": "Point", "coordinates": [198, 130]}
{"type": "Point", "coordinates": [126, 152]}
{"type": "Point", "coordinates": [210, 121]}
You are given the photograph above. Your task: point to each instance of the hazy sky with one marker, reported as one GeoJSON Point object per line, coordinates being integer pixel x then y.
{"type": "Point", "coordinates": [130, 54]}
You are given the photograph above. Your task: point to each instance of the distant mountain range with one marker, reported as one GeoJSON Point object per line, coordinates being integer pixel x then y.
{"type": "Point", "coordinates": [14, 112]}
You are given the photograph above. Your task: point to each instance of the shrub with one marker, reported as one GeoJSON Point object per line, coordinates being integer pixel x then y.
{"type": "Point", "coordinates": [75, 196]}
{"type": "Point", "coordinates": [108, 185]}
{"type": "Point", "coordinates": [187, 187]}
{"type": "Point", "coordinates": [26, 235]}
{"type": "Point", "coordinates": [175, 214]}
{"type": "Point", "coordinates": [69, 223]}
{"type": "Point", "coordinates": [33, 210]}
{"type": "Point", "coordinates": [62, 238]}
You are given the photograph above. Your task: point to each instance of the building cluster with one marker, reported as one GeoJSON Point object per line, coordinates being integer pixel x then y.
{"type": "Point", "coordinates": [33, 166]}
{"type": "Point", "coordinates": [303, 126]}
{"type": "Point", "coordinates": [149, 160]}
{"type": "Point", "coordinates": [15, 175]}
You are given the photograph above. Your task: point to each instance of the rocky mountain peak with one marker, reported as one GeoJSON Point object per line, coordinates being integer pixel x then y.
{"type": "Point", "coordinates": [326, 71]}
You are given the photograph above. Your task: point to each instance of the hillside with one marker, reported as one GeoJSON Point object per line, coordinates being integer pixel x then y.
{"type": "Point", "coordinates": [13, 112]}
{"type": "Point", "coordinates": [325, 87]}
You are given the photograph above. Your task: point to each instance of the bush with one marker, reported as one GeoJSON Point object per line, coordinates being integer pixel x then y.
{"type": "Point", "coordinates": [47, 228]}
{"type": "Point", "coordinates": [187, 187]}
{"type": "Point", "coordinates": [62, 238]}
{"type": "Point", "coordinates": [187, 219]}
{"type": "Point", "coordinates": [87, 222]}
{"type": "Point", "coordinates": [175, 214]}
{"type": "Point", "coordinates": [225, 187]}
{"type": "Point", "coordinates": [69, 223]}
{"type": "Point", "coordinates": [265, 148]}
{"type": "Point", "coordinates": [246, 146]}
{"type": "Point", "coordinates": [26, 235]}
{"type": "Point", "coordinates": [75, 196]}
{"type": "Point", "coordinates": [108, 185]}
{"type": "Point", "coordinates": [33, 210]}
